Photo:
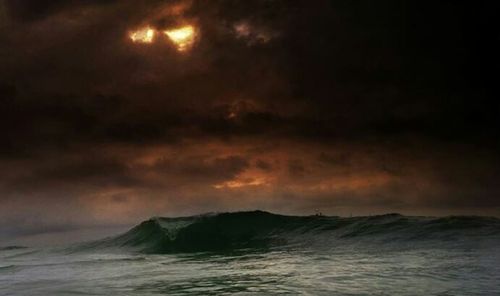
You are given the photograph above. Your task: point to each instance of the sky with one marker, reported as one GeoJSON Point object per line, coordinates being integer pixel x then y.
{"type": "Point", "coordinates": [116, 111]}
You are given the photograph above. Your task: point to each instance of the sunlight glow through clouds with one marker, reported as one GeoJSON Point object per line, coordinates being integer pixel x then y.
{"type": "Point", "coordinates": [183, 37]}
{"type": "Point", "coordinates": [144, 35]}
{"type": "Point", "coordinates": [242, 183]}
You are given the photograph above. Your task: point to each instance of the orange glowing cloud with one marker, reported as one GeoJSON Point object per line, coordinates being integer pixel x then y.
{"type": "Point", "coordinates": [242, 183]}
{"type": "Point", "coordinates": [183, 37]}
{"type": "Point", "coordinates": [144, 35]}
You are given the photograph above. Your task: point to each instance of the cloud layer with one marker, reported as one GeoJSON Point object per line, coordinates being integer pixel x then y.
{"type": "Point", "coordinates": [284, 106]}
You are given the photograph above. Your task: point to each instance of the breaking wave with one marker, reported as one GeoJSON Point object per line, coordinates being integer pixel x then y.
{"type": "Point", "coordinates": [259, 230]}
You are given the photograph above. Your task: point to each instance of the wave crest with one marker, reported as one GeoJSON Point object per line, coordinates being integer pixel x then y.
{"type": "Point", "coordinates": [257, 230]}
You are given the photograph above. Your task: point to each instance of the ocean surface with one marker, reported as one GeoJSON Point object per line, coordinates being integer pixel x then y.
{"type": "Point", "coordinates": [258, 253]}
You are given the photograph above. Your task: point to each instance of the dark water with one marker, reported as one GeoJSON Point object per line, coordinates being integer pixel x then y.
{"type": "Point", "coordinates": [257, 253]}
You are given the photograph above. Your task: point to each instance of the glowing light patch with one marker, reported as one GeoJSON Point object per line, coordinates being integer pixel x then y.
{"type": "Point", "coordinates": [253, 35]}
{"type": "Point", "coordinates": [183, 37]}
{"type": "Point", "coordinates": [241, 183]}
{"type": "Point", "coordinates": [242, 30]}
{"type": "Point", "coordinates": [145, 35]}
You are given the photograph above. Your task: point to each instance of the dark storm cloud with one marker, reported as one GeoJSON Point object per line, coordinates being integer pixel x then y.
{"type": "Point", "coordinates": [202, 168]}
{"type": "Point", "coordinates": [32, 10]}
{"type": "Point", "coordinates": [287, 105]}
{"type": "Point", "coordinates": [263, 165]}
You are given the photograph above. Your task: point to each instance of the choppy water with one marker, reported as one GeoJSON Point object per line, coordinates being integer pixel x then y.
{"type": "Point", "coordinates": [384, 255]}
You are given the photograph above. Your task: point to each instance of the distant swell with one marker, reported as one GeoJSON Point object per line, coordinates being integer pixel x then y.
{"type": "Point", "coordinates": [231, 231]}
{"type": "Point", "coordinates": [10, 248]}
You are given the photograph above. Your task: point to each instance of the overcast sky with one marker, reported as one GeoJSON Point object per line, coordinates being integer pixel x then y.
{"type": "Point", "coordinates": [359, 107]}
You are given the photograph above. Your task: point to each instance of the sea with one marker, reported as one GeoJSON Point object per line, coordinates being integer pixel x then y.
{"type": "Point", "coordinates": [260, 253]}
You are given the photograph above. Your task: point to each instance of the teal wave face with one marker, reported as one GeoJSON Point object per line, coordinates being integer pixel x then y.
{"type": "Point", "coordinates": [262, 230]}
